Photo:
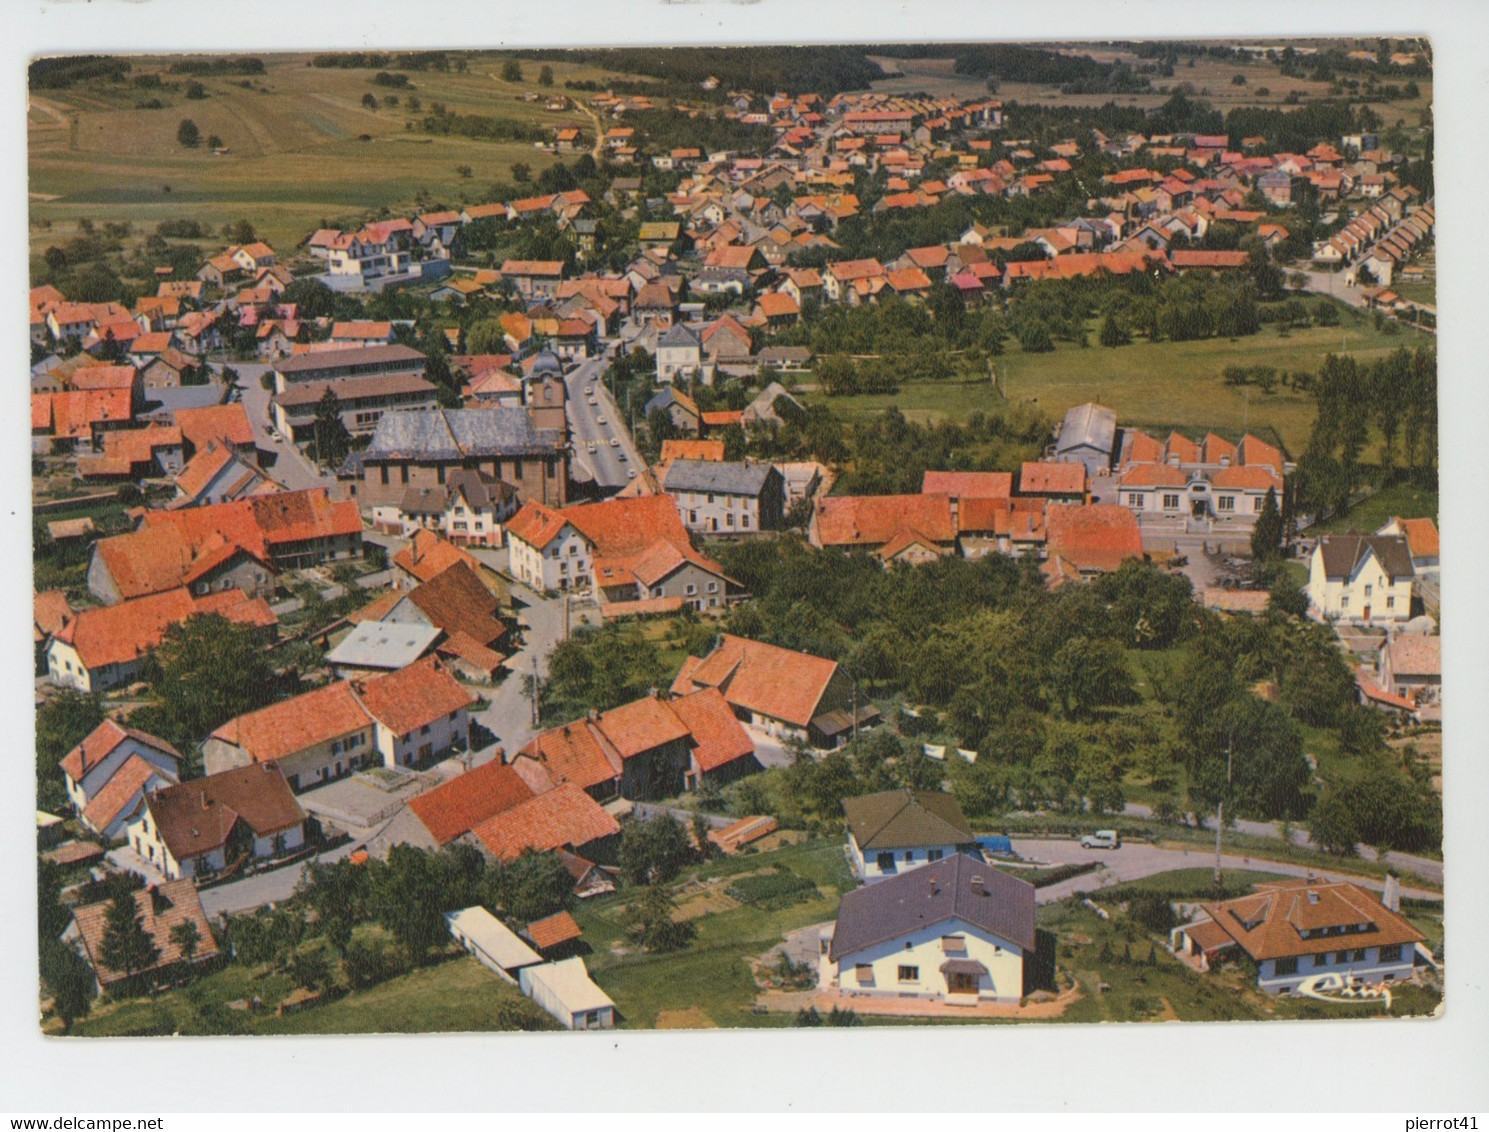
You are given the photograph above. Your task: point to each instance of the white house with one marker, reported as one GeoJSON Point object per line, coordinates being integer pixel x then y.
{"type": "Point", "coordinates": [1295, 929]}
{"type": "Point", "coordinates": [566, 991]}
{"type": "Point", "coordinates": [957, 930]}
{"type": "Point", "coordinates": [1411, 666]}
{"type": "Point", "coordinates": [546, 551]}
{"type": "Point", "coordinates": [202, 826]}
{"type": "Point", "coordinates": [679, 354]}
{"type": "Point", "coordinates": [717, 497]}
{"type": "Point", "coordinates": [496, 947]}
{"type": "Point", "coordinates": [1361, 578]}
{"type": "Point", "coordinates": [898, 830]}
{"type": "Point", "coordinates": [109, 773]}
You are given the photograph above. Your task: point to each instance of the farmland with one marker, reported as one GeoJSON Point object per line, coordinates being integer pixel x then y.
{"type": "Point", "coordinates": [293, 140]}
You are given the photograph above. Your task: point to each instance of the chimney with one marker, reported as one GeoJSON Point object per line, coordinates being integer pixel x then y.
{"type": "Point", "coordinates": [203, 795]}
{"type": "Point", "coordinates": [1312, 896]}
{"type": "Point", "coordinates": [1391, 897]}
{"type": "Point", "coordinates": [935, 888]}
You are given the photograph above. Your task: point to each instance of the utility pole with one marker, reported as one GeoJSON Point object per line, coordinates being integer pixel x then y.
{"type": "Point", "coordinates": [566, 619]}
{"type": "Point", "coordinates": [1220, 811]}
{"type": "Point", "coordinates": [536, 689]}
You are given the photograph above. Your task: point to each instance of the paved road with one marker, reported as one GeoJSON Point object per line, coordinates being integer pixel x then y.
{"type": "Point", "coordinates": [268, 887]}
{"type": "Point", "coordinates": [290, 467]}
{"type": "Point", "coordinates": [1424, 867]}
{"type": "Point", "coordinates": [610, 464]}
{"type": "Point", "coordinates": [1134, 861]}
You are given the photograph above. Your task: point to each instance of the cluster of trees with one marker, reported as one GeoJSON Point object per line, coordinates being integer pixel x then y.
{"type": "Point", "coordinates": [379, 60]}
{"type": "Point", "coordinates": [667, 129]}
{"type": "Point", "coordinates": [915, 341]}
{"type": "Point", "coordinates": [219, 65]}
{"type": "Point", "coordinates": [63, 71]}
{"type": "Point", "coordinates": [892, 454]}
{"type": "Point", "coordinates": [827, 70]}
{"type": "Point", "coordinates": [441, 120]}
{"type": "Point", "coordinates": [1395, 398]}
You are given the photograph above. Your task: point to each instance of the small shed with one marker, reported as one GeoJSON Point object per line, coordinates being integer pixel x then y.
{"type": "Point", "coordinates": [555, 936]}
{"type": "Point", "coordinates": [382, 646]}
{"type": "Point", "coordinates": [496, 946]}
{"type": "Point", "coordinates": [566, 991]}
{"type": "Point", "coordinates": [63, 530]}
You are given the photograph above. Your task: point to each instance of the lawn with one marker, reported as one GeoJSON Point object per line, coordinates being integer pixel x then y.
{"type": "Point", "coordinates": [1154, 386]}
{"type": "Point", "coordinates": [1372, 512]}
{"type": "Point", "coordinates": [294, 156]}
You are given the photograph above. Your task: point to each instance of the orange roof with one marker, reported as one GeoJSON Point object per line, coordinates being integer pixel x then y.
{"type": "Point", "coordinates": [51, 610]}
{"type": "Point", "coordinates": [117, 634]}
{"type": "Point", "coordinates": [1245, 479]}
{"type": "Point", "coordinates": [553, 930]}
{"type": "Point", "coordinates": [228, 423]}
{"type": "Point", "coordinates": [1292, 917]}
{"type": "Point", "coordinates": [1042, 478]}
{"type": "Point", "coordinates": [536, 524]}
{"type": "Point", "coordinates": [642, 725]}
{"type": "Point", "coordinates": [573, 754]}
{"type": "Point", "coordinates": [711, 450]}
{"type": "Point", "coordinates": [201, 468]}
{"type": "Point", "coordinates": [872, 520]}
{"type": "Point", "coordinates": [427, 556]}
{"type": "Point", "coordinates": [465, 802]}
{"type": "Point", "coordinates": [909, 279]}
{"type": "Point", "coordinates": [123, 786]}
{"type": "Point", "coordinates": [405, 700]}
{"type": "Point", "coordinates": [1095, 536]}
{"type": "Point", "coordinates": [161, 908]}
{"type": "Point", "coordinates": [759, 677]}
{"type": "Point", "coordinates": [718, 736]}
{"type": "Point", "coordinates": [968, 485]}
{"type": "Point", "coordinates": [104, 377]}
{"type": "Point", "coordinates": [1184, 258]}
{"type": "Point", "coordinates": [722, 418]}
{"type": "Point", "coordinates": [74, 413]}
{"type": "Point", "coordinates": [101, 742]}
{"type": "Point", "coordinates": [1216, 450]}
{"type": "Point", "coordinates": [564, 818]}
{"type": "Point", "coordinates": [1144, 449]}
{"type": "Point", "coordinates": [1181, 446]}
{"type": "Point", "coordinates": [362, 329]}
{"type": "Point", "coordinates": [1152, 475]}
{"type": "Point", "coordinates": [625, 528]}
{"type": "Point", "coordinates": [1421, 537]}
{"type": "Point", "coordinates": [282, 729]}
{"type": "Point", "coordinates": [774, 304]}
{"type": "Point", "coordinates": [1257, 453]}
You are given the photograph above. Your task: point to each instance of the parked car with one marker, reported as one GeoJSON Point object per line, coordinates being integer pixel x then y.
{"type": "Point", "coordinates": [1102, 839]}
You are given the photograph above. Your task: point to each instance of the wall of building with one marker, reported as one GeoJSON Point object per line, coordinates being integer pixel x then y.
{"type": "Point", "coordinates": [544, 478]}
{"type": "Point", "coordinates": [1363, 963]}
{"type": "Point", "coordinates": [924, 952]}
{"type": "Point", "coordinates": [869, 867]}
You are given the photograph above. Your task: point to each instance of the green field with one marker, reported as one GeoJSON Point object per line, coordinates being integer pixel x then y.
{"type": "Point", "coordinates": [1372, 512]}
{"type": "Point", "coordinates": [295, 158]}
{"type": "Point", "coordinates": [1154, 386]}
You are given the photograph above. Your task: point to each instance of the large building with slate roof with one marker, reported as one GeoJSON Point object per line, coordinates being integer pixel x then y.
{"type": "Point", "coordinates": [717, 497]}
{"type": "Point", "coordinates": [1361, 578]}
{"type": "Point", "coordinates": [420, 448]}
{"type": "Point", "coordinates": [898, 830]}
{"type": "Point", "coordinates": [958, 930]}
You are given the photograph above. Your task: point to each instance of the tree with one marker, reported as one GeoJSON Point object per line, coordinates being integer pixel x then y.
{"type": "Point", "coordinates": [62, 723]}
{"type": "Point", "coordinates": [369, 100]}
{"type": "Point", "coordinates": [511, 71]}
{"type": "Point", "coordinates": [1087, 674]}
{"type": "Point", "coordinates": [1152, 911]}
{"type": "Point", "coordinates": [409, 901]}
{"type": "Point", "coordinates": [531, 887]}
{"type": "Point", "coordinates": [188, 134]}
{"type": "Point", "coordinates": [336, 893]}
{"type": "Point", "coordinates": [127, 946]}
{"type": "Point", "coordinates": [653, 852]}
{"type": "Point", "coordinates": [208, 671]}
{"type": "Point", "coordinates": [650, 921]}
{"type": "Point", "coordinates": [186, 936]}
{"type": "Point", "coordinates": [522, 172]}
{"type": "Point", "coordinates": [68, 979]}
{"type": "Point", "coordinates": [1332, 827]}
{"type": "Point", "coordinates": [330, 437]}
{"type": "Point", "coordinates": [241, 231]}
{"type": "Point", "coordinates": [1112, 333]}
{"type": "Point", "coordinates": [214, 141]}
{"type": "Point", "coordinates": [1266, 536]}
{"type": "Point", "coordinates": [545, 76]}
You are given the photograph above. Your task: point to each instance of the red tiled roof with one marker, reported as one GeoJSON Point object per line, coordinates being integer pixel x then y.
{"type": "Point", "coordinates": [1043, 478]}
{"type": "Point", "coordinates": [573, 754]}
{"type": "Point", "coordinates": [564, 818]}
{"type": "Point", "coordinates": [872, 520]}
{"type": "Point", "coordinates": [758, 677]}
{"type": "Point", "coordinates": [553, 930]}
{"type": "Point", "coordinates": [101, 741]}
{"type": "Point", "coordinates": [718, 736]}
{"type": "Point", "coordinates": [642, 725]}
{"type": "Point", "coordinates": [1421, 537]}
{"type": "Point", "coordinates": [1245, 479]}
{"type": "Point", "coordinates": [123, 786]}
{"type": "Point", "coordinates": [282, 729]}
{"type": "Point", "coordinates": [1152, 475]}
{"type": "Point", "coordinates": [1095, 536]}
{"type": "Point", "coordinates": [465, 802]}
{"type": "Point", "coordinates": [228, 423]}
{"type": "Point", "coordinates": [968, 485]}
{"type": "Point", "coordinates": [117, 634]}
{"type": "Point", "coordinates": [411, 697]}
{"type": "Point", "coordinates": [427, 556]}
{"type": "Point", "coordinates": [712, 450]}
{"type": "Point", "coordinates": [179, 904]}
{"type": "Point", "coordinates": [1185, 258]}
{"type": "Point", "coordinates": [1270, 923]}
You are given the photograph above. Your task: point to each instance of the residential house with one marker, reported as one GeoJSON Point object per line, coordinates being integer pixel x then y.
{"type": "Point", "coordinates": [1088, 436]}
{"type": "Point", "coordinates": [562, 819]}
{"type": "Point", "coordinates": [726, 498]}
{"type": "Point", "coordinates": [469, 509]}
{"type": "Point", "coordinates": [680, 355]}
{"type": "Point", "coordinates": [454, 808]}
{"type": "Point", "coordinates": [108, 646]}
{"type": "Point", "coordinates": [1298, 929]}
{"type": "Point", "coordinates": [204, 826]}
{"type": "Point", "coordinates": [220, 474]}
{"type": "Point", "coordinates": [886, 525]}
{"type": "Point", "coordinates": [160, 910]}
{"type": "Point", "coordinates": [111, 770]}
{"type": "Point", "coordinates": [423, 447]}
{"type": "Point", "coordinates": [463, 612]}
{"type": "Point", "coordinates": [1361, 578]}
{"type": "Point", "coordinates": [534, 280]}
{"type": "Point", "coordinates": [1421, 542]}
{"type": "Point", "coordinates": [783, 693]}
{"type": "Point", "coordinates": [135, 454]}
{"type": "Point", "coordinates": [1083, 541]}
{"type": "Point", "coordinates": [958, 930]}
{"type": "Point", "coordinates": [50, 611]}
{"type": "Point", "coordinates": [680, 407]}
{"type": "Point", "coordinates": [772, 405]}
{"type": "Point", "coordinates": [1411, 667]}
{"type": "Point", "coordinates": [898, 830]}
{"type": "Point", "coordinates": [227, 424]}
{"type": "Point", "coordinates": [1059, 482]}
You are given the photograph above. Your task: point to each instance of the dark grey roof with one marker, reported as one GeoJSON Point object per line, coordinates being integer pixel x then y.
{"type": "Point", "coordinates": [546, 361]}
{"type": "Point", "coordinates": [453, 434]}
{"type": "Point", "coordinates": [903, 819]}
{"type": "Point", "coordinates": [786, 353]}
{"type": "Point", "coordinates": [350, 357]}
{"type": "Point", "coordinates": [1342, 553]}
{"type": "Point", "coordinates": [957, 887]}
{"type": "Point", "coordinates": [1088, 426]}
{"type": "Point", "coordinates": [680, 335]}
{"type": "Point", "coordinates": [717, 476]}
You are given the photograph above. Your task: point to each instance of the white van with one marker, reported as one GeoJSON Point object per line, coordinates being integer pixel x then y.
{"type": "Point", "coordinates": [1102, 839]}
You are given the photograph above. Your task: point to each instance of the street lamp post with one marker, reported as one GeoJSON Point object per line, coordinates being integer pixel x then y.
{"type": "Point", "coordinates": [1220, 810]}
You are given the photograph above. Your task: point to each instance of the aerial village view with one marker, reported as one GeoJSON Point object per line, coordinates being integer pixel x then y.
{"type": "Point", "coordinates": [735, 537]}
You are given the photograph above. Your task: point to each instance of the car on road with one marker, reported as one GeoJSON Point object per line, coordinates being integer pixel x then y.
{"type": "Point", "coordinates": [1102, 839]}
{"type": "Point", "coordinates": [623, 457]}
{"type": "Point", "coordinates": [600, 420]}
{"type": "Point", "coordinates": [591, 401]}
{"type": "Point", "coordinates": [615, 442]}
{"type": "Point", "coordinates": [630, 473]}
{"type": "Point", "coordinates": [589, 446]}
{"type": "Point", "coordinates": [589, 391]}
